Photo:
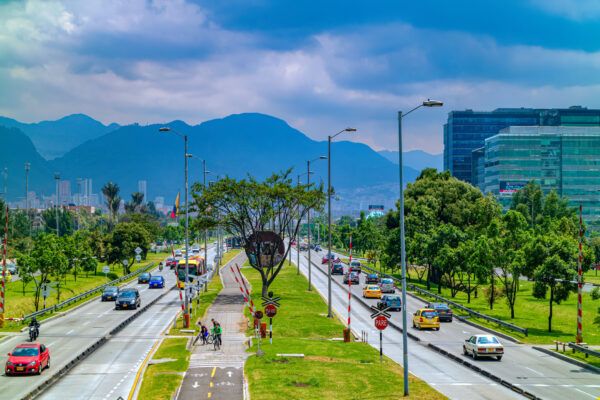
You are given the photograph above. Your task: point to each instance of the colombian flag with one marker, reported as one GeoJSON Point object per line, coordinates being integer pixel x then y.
{"type": "Point", "coordinates": [175, 207]}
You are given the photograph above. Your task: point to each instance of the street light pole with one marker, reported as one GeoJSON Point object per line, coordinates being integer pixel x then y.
{"type": "Point", "coordinates": [329, 139]}
{"type": "Point", "coordinates": [186, 311]}
{"type": "Point", "coordinates": [27, 168]}
{"type": "Point", "coordinates": [428, 103]}
{"type": "Point", "coordinates": [5, 176]}
{"type": "Point", "coordinates": [57, 178]}
{"type": "Point", "coordinates": [298, 233]}
{"type": "Point", "coordinates": [308, 226]}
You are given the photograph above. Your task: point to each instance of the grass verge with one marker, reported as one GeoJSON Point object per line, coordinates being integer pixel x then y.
{"type": "Point", "coordinates": [162, 380]}
{"type": "Point", "coordinates": [594, 361]}
{"type": "Point", "coordinates": [330, 369]}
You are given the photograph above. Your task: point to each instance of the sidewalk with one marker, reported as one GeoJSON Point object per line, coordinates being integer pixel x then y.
{"type": "Point", "coordinates": [220, 374]}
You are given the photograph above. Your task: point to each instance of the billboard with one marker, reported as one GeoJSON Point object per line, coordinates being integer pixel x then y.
{"type": "Point", "coordinates": [509, 187]}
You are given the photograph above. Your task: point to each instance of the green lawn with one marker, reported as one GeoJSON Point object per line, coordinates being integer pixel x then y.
{"type": "Point", "coordinates": [592, 277]}
{"type": "Point", "coordinates": [329, 370]}
{"type": "Point", "coordinates": [19, 303]}
{"type": "Point", "coordinates": [162, 380]}
{"type": "Point", "coordinates": [595, 361]}
{"type": "Point", "coordinates": [532, 313]}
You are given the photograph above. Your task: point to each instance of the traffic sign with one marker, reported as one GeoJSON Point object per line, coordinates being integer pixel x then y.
{"type": "Point", "coordinates": [381, 322]}
{"type": "Point", "coordinates": [258, 314]}
{"type": "Point", "coordinates": [270, 310]}
{"type": "Point", "coordinates": [125, 262]}
{"type": "Point", "coordinates": [271, 300]}
{"type": "Point", "coordinates": [138, 250]}
{"type": "Point", "coordinates": [138, 258]}
{"type": "Point", "coordinates": [105, 269]}
{"type": "Point", "coordinates": [380, 310]}
{"type": "Point", "coordinates": [45, 290]}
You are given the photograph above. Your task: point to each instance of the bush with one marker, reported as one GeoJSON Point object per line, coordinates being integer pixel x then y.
{"type": "Point", "coordinates": [498, 293]}
{"type": "Point", "coordinates": [596, 293]}
{"type": "Point", "coordinates": [112, 276]}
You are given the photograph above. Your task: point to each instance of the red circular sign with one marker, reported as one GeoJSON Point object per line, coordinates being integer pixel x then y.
{"type": "Point", "coordinates": [258, 314]}
{"type": "Point", "coordinates": [270, 310]}
{"type": "Point", "coordinates": [381, 322]}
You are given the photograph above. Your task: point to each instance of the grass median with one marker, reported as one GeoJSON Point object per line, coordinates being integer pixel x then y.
{"type": "Point", "coordinates": [329, 369]}
{"type": "Point", "coordinates": [162, 380]}
{"type": "Point", "coordinates": [19, 299]}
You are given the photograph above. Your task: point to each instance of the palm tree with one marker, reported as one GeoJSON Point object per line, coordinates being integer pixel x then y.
{"type": "Point", "coordinates": [136, 204]}
{"type": "Point", "coordinates": [113, 201]}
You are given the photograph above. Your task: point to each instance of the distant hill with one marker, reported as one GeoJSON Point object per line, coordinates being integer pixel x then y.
{"type": "Point", "coordinates": [236, 145]}
{"type": "Point", "coordinates": [55, 138]}
{"type": "Point", "coordinates": [40, 176]}
{"type": "Point", "coordinates": [416, 159]}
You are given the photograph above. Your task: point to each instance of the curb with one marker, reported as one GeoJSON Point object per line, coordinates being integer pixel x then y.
{"type": "Point", "coordinates": [468, 364]}
{"type": "Point", "coordinates": [567, 359]}
{"type": "Point", "coordinates": [45, 385]}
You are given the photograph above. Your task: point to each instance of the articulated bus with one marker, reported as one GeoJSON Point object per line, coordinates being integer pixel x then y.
{"type": "Point", "coordinates": [196, 267]}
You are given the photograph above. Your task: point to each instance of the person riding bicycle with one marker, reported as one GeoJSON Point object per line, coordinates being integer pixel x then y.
{"type": "Point", "coordinates": [218, 333]}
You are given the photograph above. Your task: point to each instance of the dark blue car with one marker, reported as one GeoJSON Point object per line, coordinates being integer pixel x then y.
{"type": "Point", "coordinates": [157, 281]}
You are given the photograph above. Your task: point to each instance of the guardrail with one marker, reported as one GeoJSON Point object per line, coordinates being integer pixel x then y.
{"type": "Point", "coordinates": [83, 295]}
{"type": "Point", "coordinates": [587, 351]}
{"type": "Point", "coordinates": [456, 305]}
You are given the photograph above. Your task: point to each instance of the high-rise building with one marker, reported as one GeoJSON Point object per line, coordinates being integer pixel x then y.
{"type": "Point", "coordinates": [65, 192]}
{"type": "Point", "coordinates": [467, 130]}
{"type": "Point", "coordinates": [561, 158]}
{"type": "Point", "coordinates": [142, 188]}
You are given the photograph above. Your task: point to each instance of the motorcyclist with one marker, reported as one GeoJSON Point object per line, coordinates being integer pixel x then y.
{"type": "Point", "coordinates": [36, 328]}
{"type": "Point", "coordinates": [160, 266]}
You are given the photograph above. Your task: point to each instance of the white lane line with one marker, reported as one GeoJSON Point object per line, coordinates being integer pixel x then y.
{"type": "Point", "coordinates": [461, 384]}
{"type": "Point", "coordinates": [586, 393]}
{"type": "Point", "coordinates": [71, 331]}
{"type": "Point", "coordinates": [534, 371]}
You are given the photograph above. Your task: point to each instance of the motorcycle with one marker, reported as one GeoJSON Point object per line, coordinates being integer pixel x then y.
{"type": "Point", "coordinates": [33, 333]}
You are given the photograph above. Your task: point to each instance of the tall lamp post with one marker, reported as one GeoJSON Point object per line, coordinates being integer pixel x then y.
{"type": "Point", "coordinates": [27, 168]}
{"type": "Point", "coordinates": [204, 173]}
{"type": "Point", "coordinates": [298, 232]}
{"type": "Point", "coordinates": [330, 138]}
{"type": "Point", "coordinates": [186, 312]}
{"type": "Point", "coordinates": [308, 172]}
{"type": "Point", "coordinates": [5, 176]}
{"type": "Point", "coordinates": [57, 179]}
{"type": "Point", "coordinates": [428, 103]}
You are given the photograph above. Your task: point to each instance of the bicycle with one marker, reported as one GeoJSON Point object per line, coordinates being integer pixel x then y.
{"type": "Point", "coordinates": [215, 341]}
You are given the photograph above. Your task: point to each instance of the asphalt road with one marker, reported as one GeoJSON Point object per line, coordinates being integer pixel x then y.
{"type": "Point", "coordinates": [110, 371]}
{"type": "Point", "coordinates": [536, 372]}
{"type": "Point", "coordinates": [68, 335]}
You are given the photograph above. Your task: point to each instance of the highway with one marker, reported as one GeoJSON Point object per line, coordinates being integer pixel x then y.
{"type": "Point", "coordinates": [69, 335]}
{"type": "Point", "coordinates": [110, 371]}
{"type": "Point", "coordinates": [535, 372]}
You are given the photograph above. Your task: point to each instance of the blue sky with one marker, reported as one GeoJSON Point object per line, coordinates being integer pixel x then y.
{"type": "Point", "coordinates": [320, 65]}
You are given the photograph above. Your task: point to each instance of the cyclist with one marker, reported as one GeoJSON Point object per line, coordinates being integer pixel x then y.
{"type": "Point", "coordinates": [219, 332]}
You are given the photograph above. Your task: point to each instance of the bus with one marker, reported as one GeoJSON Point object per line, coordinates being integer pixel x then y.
{"type": "Point", "coordinates": [196, 267]}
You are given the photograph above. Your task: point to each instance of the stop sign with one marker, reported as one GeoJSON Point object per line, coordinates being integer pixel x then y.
{"type": "Point", "coordinates": [381, 322]}
{"type": "Point", "coordinates": [258, 314]}
{"type": "Point", "coordinates": [270, 310]}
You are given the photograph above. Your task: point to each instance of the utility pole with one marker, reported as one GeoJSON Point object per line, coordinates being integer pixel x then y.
{"type": "Point", "coordinates": [27, 168]}
{"type": "Point", "coordinates": [5, 176]}
{"type": "Point", "coordinates": [57, 179]}
{"type": "Point", "coordinates": [308, 226]}
{"type": "Point", "coordinates": [204, 172]}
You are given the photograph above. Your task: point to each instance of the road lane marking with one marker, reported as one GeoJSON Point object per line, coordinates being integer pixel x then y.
{"type": "Point", "coordinates": [71, 331]}
{"type": "Point", "coordinates": [211, 384]}
{"type": "Point", "coordinates": [586, 393]}
{"type": "Point", "coordinates": [534, 371]}
{"type": "Point", "coordinates": [209, 395]}
{"type": "Point", "coordinates": [212, 374]}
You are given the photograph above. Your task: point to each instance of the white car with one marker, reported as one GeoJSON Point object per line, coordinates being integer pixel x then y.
{"type": "Point", "coordinates": [483, 346]}
{"type": "Point", "coordinates": [387, 285]}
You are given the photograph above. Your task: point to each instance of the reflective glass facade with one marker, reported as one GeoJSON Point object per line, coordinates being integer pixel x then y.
{"type": "Point", "coordinates": [467, 130]}
{"type": "Point", "coordinates": [561, 158]}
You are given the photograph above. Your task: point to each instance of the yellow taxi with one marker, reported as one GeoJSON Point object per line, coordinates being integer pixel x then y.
{"type": "Point", "coordinates": [426, 318]}
{"type": "Point", "coordinates": [7, 276]}
{"type": "Point", "coordinates": [372, 292]}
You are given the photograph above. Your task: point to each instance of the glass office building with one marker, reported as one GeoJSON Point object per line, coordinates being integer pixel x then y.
{"type": "Point", "coordinates": [467, 130]}
{"type": "Point", "coordinates": [561, 158]}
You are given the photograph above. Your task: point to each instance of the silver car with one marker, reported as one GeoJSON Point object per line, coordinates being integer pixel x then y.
{"type": "Point", "coordinates": [483, 346]}
{"type": "Point", "coordinates": [387, 285]}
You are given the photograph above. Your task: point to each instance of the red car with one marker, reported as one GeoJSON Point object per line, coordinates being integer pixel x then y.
{"type": "Point", "coordinates": [171, 262]}
{"type": "Point", "coordinates": [28, 358]}
{"type": "Point", "coordinates": [334, 259]}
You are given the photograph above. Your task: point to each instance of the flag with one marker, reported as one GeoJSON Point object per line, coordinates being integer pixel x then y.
{"type": "Point", "coordinates": [175, 207]}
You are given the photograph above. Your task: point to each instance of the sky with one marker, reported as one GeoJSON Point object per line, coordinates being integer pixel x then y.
{"type": "Point", "coordinates": [320, 65]}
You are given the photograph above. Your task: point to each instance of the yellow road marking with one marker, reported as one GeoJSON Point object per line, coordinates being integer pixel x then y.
{"type": "Point", "coordinates": [141, 368]}
{"type": "Point", "coordinates": [212, 374]}
{"type": "Point", "coordinates": [209, 395]}
{"type": "Point", "coordinates": [211, 384]}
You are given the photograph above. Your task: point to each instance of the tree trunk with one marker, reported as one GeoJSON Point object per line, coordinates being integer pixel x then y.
{"type": "Point", "coordinates": [468, 288]}
{"type": "Point", "coordinates": [550, 314]}
{"type": "Point", "coordinates": [493, 293]}
{"type": "Point", "coordinates": [429, 277]}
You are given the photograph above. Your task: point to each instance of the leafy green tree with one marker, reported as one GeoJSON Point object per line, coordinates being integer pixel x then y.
{"type": "Point", "coordinates": [122, 242]}
{"type": "Point", "coordinates": [65, 220]}
{"type": "Point", "coordinates": [246, 207]}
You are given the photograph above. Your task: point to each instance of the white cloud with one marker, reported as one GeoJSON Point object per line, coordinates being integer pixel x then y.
{"type": "Point", "coordinates": [578, 10]}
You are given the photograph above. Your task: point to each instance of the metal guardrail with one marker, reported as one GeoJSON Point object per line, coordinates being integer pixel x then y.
{"type": "Point", "coordinates": [468, 310]}
{"type": "Point", "coordinates": [83, 295]}
{"type": "Point", "coordinates": [587, 351]}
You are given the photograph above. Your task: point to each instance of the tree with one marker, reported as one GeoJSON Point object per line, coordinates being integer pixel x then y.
{"type": "Point", "coordinates": [113, 200]}
{"type": "Point", "coordinates": [245, 208]}
{"type": "Point", "coordinates": [122, 242]}
{"type": "Point", "coordinates": [65, 221]}
{"type": "Point", "coordinates": [136, 205]}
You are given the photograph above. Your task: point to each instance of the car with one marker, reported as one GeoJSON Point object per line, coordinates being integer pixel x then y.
{"type": "Point", "coordinates": [303, 246]}
{"type": "Point", "coordinates": [351, 278]}
{"type": "Point", "coordinates": [332, 257]}
{"type": "Point", "coordinates": [178, 253]}
{"type": "Point", "coordinates": [337, 269]}
{"type": "Point", "coordinates": [483, 346]}
{"type": "Point", "coordinates": [387, 285]}
{"type": "Point", "coordinates": [156, 281]}
{"type": "Point", "coordinates": [171, 262]}
{"type": "Point", "coordinates": [355, 266]}
{"type": "Point", "coordinates": [392, 302]}
{"type": "Point", "coordinates": [318, 248]}
{"type": "Point", "coordinates": [128, 298]}
{"type": "Point", "coordinates": [27, 358]}
{"type": "Point", "coordinates": [372, 278]}
{"type": "Point", "coordinates": [426, 318]}
{"type": "Point", "coordinates": [293, 242]}
{"type": "Point", "coordinates": [7, 276]}
{"type": "Point", "coordinates": [110, 293]}
{"type": "Point", "coordinates": [444, 312]}
{"type": "Point", "coordinates": [371, 292]}
{"type": "Point", "coordinates": [12, 268]}
{"type": "Point", "coordinates": [144, 277]}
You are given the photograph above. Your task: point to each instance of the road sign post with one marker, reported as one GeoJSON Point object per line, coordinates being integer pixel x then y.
{"type": "Point", "coordinates": [258, 315]}
{"type": "Point", "coordinates": [106, 270]}
{"type": "Point", "coordinates": [270, 303]}
{"type": "Point", "coordinates": [380, 318]}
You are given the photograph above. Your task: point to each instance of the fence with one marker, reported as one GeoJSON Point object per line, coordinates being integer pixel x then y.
{"type": "Point", "coordinates": [83, 295]}
{"type": "Point", "coordinates": [467, 310]}
{"type": "Point", "coordinates": [587, 351]}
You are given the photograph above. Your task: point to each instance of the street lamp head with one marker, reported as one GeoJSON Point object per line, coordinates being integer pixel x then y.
{"type": "Point", "coordinates": [164, 129]}
{"type": "Point", "coordinates": [350, 130]}
{"type": "Point", "coordinates": [322, 157]}
{"type": "Point", "coordinates": [57, 175]}
{"type": "Point", "coordinates": [432, 103]}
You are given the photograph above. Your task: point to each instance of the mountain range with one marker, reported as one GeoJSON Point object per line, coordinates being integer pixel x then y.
{"type": "Point", "coordinates": [417, 159]}
{"type": "Point", "coordinates": [80, 147]}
